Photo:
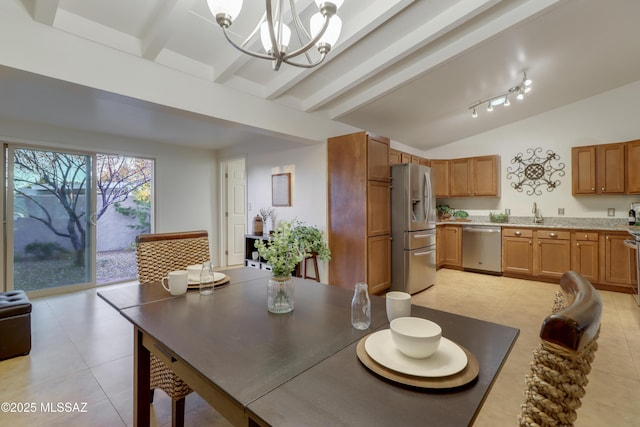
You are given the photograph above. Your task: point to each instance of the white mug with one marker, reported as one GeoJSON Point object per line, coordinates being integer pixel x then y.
{"type": "Point", "coordinates": [176, 282]}
{"type": "Point", "coordinates": [398, 305]}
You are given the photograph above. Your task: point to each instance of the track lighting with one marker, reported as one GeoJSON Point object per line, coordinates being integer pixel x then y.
{"type": "Point", "coordinates": [503, 99]}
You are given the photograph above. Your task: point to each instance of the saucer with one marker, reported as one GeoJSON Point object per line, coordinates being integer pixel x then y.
{"type": "Point", "coordinates": [449, 359]}
{"type": "Point", "coordinates": [216, 278]}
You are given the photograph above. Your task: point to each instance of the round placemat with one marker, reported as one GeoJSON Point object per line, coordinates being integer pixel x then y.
{"type": "Point", "coordinates": [468, 374]}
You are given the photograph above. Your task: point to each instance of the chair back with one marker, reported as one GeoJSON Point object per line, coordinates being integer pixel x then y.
{"type": "Point", "coordinates": [558, 376]}
{"type": "Point", "coordinates": [158, 254]}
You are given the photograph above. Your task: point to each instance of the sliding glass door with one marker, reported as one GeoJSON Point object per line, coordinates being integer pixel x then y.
{"type": "Point", "coordinates": [49, 232]}
{"type": "Point", "coordinates": [71, 218]}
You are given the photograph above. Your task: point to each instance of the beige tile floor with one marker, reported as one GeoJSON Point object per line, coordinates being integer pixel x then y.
{"type": "Point", "coordinates": [82, 353]}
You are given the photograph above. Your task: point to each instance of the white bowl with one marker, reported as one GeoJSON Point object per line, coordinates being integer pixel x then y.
{"type": "Point", "coordinates": [415, 337]}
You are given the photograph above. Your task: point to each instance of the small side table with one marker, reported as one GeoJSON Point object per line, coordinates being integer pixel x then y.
{"type": "Point", "coordinates": [313, 258]}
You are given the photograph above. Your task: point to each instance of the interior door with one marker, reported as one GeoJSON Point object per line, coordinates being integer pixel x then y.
{"type": "Point", "coordinates": [236, 211]}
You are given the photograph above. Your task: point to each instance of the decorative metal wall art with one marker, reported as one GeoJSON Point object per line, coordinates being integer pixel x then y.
{"type": "Point", "coordinates": [535, 171]}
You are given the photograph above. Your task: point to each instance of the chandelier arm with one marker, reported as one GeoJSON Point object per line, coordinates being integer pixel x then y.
{"type": "Point", "coordinates": [255, 30]}
{"type": "Point", "coordinates": [299, 27]}
{"type": "Point", "coordinates": [312, 42]}
{"type": "Point", "coordinates": [243, 50]}
{"type": "Point", "coordinates": [296, 64]}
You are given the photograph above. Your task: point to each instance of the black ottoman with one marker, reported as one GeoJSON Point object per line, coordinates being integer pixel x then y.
{"type": "Point", "coordinates": [15, 324]}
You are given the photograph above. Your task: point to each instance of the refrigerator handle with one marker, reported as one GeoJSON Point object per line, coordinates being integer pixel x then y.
{"type": "Point", "coordinates": [427, 196]}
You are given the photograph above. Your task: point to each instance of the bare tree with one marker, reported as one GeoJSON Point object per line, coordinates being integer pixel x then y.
{"type": "Point", "coordinates": [64, 176]}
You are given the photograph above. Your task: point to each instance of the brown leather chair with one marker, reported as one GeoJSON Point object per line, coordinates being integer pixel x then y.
{"type": "Point", "coordinates": [156, 255]}
{"type": "Point", "coordinates": [558, 376]}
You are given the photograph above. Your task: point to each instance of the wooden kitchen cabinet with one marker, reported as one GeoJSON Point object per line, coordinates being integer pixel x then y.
{"type": "Point", "coordinates": [378, 270]}
{"type": "Point", "coordinates": [517, 251]}
{"type": "Point", "coordinates": [394, 157]}
{"type": "Point", "coordinates": [452, 242]}
{"type": "Point", "coordinates": [552, 253]}
{"type": "Point", "coordinates": [378, 208]}
{"type": "Point", "coordinates": [440, 175]}
{"type": "Point", "coordinates": [440, 255]}
{"type": "Point", "coordinates": [598, 169]}
{"type": "Point", "coordinates": [619, 261]}
{"type": "Point", "coordinates": [474, 176]}
{"type": "Point", "coordinates": [585, 254]}
{"type": "Point", "coordinates": [633, 167]}
{"type": "Point", "coordinates": [359, 227]}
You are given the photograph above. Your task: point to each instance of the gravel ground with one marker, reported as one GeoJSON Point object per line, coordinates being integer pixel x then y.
{"type": "Point", "coordinates": [111, 266]}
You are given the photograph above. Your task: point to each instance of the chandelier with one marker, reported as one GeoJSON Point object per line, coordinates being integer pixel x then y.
{"type": "Point", "coordinates": [275, 35]}
{"type": "Point", "coordinates": [503, 99]}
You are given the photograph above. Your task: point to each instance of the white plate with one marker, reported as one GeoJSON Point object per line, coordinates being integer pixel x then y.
{"type": "Point", "coordinates": [216, 277]}
{"type": "Point", "coordinates": [449, 359]}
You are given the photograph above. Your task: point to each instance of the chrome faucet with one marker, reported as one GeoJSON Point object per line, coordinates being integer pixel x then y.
{"type": "Point", "coordinates": [537, 217]}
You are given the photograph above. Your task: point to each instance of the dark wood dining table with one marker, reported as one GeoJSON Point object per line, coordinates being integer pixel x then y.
{"type": "Point", "coordinates": [300, 368]}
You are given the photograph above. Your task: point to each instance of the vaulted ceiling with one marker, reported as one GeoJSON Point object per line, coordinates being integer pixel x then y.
{"type": "Point", "coordinates": [406, 69]}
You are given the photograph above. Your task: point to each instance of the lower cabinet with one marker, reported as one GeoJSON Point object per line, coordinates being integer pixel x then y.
{"type": "Point", "coordinates": [440, 246]}
{"type": "Point", "coordinates": [378, 266]}
{"type": "Point", "coordinates": [619, 260]}
{"type": "Point", "coordinates": [452, 251]}
{"type": "Point", "coordinates": [517, 251]}
{"type": "Point", "coordinates": [584, 254]}
{"type": "Point", "coordinates": [552, 253]}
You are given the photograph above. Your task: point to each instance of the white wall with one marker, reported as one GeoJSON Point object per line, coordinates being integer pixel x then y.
{"type": "Point", "coordinates": [185, 178]}
{"type": "Point", "coordinates": [308, 167]}
{"type": "Point", "coordinates": [612, 116]}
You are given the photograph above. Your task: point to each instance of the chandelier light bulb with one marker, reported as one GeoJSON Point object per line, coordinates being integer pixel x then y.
{"type": "Point", "coordinates": [265, 37]}
{"type": "Point", "coordinates": [225, 11]}
{"type": "Point", "coordinates": [331, 35]}
{"type": "Point", "coordinates": [489, 107]}
{"type": "Point", "coordinates": [520, 96]}
{"type": "Point", "coordinates": [507, 102]}
{"type": "Point", "coordinates": [474, 113]}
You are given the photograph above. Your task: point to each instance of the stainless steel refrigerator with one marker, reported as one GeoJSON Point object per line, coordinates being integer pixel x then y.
{"type": "Point", "coordinates": [413, 228]}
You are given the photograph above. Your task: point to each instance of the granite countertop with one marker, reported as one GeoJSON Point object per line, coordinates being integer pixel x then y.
{"type": "Point", "coordinates": [613, 224]}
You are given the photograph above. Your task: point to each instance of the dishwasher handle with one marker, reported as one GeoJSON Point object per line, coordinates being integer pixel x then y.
{"type": "Point", "coordinates": [481, 230]}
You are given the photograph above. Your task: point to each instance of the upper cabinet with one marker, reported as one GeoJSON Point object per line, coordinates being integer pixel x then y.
{"type": "Point", "coordinates": [397, 156]}
{"type": "Point", "coordinates": [598, 169]}
{"type": "Point", "coordinates": [440, 175]}
{"type": "Point", "coordinates": [633, 167]}
{"type": "Point", "coordinates": [474, 176]}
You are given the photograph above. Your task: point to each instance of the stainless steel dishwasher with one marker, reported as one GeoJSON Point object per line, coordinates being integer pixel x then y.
{"type": "Point", "coordinates": [482, 248]}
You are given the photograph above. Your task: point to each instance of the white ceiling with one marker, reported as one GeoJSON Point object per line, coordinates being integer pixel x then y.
{"type": "Point", "coordinates": [406, 69]}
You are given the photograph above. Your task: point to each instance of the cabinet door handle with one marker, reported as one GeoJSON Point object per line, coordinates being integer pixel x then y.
{"type": "Point", "coordinates": [602, 188]}
{"type": "Point", "coordinates": [553, 235]}
{"type": "Point", "coordinates": [593, 189]}
{"type": "Point", "coordinates": [539, 242]}
{"type": "Point", "coordinates": [529, 241]}
{"type": "Point", "coordinates": [586, 236]}
{"type": "Point", "coordinates": [578, 244]}
{"type": "Point", "coordinates": [517, 233]}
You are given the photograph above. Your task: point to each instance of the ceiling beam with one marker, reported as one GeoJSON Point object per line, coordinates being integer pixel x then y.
{"type": "Point", "coordinates": [169, 17]}
{"type": "Point", "coordinates": [431, 30]}
{"type": "Point", "coordinates": [461, 44]}
{"type": "Point", "coordinates": [44, 11]}
{"type": "Point", "coordinates": [372, 15]}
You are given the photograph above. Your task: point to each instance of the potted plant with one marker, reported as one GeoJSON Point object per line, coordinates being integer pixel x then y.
{"type": "Point", "coordinates": [283, 252]}
{"type": "Point", "coordinates": [311, 241]}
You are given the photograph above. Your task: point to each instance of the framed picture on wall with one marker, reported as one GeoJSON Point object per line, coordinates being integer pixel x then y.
{"type": "Point", "coordinates": [281, 189]}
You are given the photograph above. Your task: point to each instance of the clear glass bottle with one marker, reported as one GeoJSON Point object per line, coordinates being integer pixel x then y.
{"type": "Point", "coordinates": [206, 278]}
{"type": "Point", "coordinates": [361, 307]}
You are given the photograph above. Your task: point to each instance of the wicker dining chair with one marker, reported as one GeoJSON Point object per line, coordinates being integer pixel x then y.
{"type": "Point", "coordinates": [568, 340]}
{"type": "Point", "coordinates": [156, 255]}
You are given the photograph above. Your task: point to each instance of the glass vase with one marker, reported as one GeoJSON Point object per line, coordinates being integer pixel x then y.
{"type": "Point", "coordinates": [280, 294]}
